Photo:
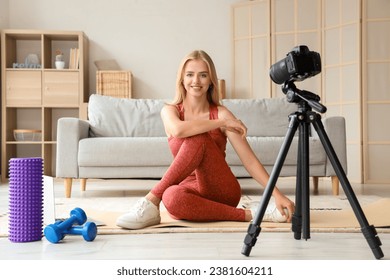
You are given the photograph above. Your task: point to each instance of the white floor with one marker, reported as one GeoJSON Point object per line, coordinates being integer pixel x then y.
{"type": "Point", "coordinates": [195, 246]}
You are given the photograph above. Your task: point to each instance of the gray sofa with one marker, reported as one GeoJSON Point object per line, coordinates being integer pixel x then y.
{"type": "Point", "coordinates": [125, 138]}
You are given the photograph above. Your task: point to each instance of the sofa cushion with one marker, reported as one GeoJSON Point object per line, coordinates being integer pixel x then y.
{"type": "Point", "coordinates": [120, 117]}
{"type": "Point", "coordinates": [124, 151]}
{"type": "Point", "coordinates": [267, 150]}
{"type": "Point", "coordinates": [262, 117]}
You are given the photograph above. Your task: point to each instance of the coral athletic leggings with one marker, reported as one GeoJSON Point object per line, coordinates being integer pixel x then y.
{"type": "Point", "coordinates": [199, 185]}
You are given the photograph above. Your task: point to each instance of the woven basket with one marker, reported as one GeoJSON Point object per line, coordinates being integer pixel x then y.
{"type": "Point", "coordinates": [114, 83]}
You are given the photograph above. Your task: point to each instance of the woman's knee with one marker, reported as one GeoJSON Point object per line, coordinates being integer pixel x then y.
{"type": "Point", "coordinates": [199, 138]}
{"type": "Point", "coordinates": [204, 135]}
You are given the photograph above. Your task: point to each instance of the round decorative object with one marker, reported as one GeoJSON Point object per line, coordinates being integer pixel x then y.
{"type": "Point", "coordinates": [32, 59]}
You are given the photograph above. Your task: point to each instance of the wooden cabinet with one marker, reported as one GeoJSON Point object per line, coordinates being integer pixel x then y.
{"type": "Point", "coordinates": [35, 94]}
{"type": "Point", "coordinates": [61, 88]}
{"type": "Point", "coordinates": [23, 88]}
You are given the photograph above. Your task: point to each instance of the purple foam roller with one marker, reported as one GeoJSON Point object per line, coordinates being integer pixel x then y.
{"type": "Point", "coordinates": [25, 222]}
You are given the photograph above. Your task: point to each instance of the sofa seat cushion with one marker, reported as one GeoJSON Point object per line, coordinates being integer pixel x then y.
{"type": "Point", "coordinates": [120, 117]}
{"type": "Point", "coordinates": [267, 150]}
{"type": "Point", "coordinates": [124, 151]}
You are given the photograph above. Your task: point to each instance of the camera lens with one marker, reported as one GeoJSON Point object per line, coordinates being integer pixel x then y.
{"type": "Point", "coordinates": [279, 72]}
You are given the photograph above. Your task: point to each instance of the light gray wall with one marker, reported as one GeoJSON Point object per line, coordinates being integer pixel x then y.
{"type": "Point", "coordinates": [148, 37]}
{"type": "Point", "coordinates": [3, 13]}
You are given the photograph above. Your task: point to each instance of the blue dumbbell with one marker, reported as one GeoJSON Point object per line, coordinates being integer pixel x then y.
{"type": "Point", "coordinates": [88, 231]}
{"type": "Point", "coordinates": [55, 232]}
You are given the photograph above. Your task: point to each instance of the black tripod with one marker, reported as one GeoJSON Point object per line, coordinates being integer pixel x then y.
{"type": "Point", "coordinates": [301, 218]}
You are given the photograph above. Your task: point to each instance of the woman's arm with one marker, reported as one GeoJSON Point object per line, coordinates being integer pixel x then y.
{"type": "Point", "coordinates": [174, 126]}
{"type": "Point", "coordinates": [254, 166]}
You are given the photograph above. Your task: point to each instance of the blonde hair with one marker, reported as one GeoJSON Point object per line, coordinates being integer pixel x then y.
{"type": "Point", "coordinates": [212, 92]}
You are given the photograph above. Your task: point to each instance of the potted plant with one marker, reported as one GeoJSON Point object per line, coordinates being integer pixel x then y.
{"type": "Point", "coordinates": [59, 62]}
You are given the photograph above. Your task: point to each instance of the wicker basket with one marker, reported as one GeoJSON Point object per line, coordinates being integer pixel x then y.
{"type": "Point", "coordinates": [114, 83]}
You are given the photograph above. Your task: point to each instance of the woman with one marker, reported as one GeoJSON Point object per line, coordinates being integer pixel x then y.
{"type": "Point", "coordinates": [199, 185]}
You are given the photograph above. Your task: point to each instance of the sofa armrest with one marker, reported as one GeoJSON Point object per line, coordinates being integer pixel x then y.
{"type": "Point", "coordinates": [69, 132]}
{"type": "Point", "coordinates": [336, 131]}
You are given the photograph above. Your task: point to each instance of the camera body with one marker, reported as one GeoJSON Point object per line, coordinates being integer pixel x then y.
{"type": "Point", "coordinates": [299, 64]}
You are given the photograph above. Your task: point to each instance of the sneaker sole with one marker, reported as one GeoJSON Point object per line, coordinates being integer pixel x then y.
{"type": "Point", "coordinates": [132, 225]}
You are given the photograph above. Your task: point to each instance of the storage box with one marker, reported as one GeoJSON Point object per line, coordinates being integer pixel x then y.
{"type": "Point", "coordinates": [114, 83]}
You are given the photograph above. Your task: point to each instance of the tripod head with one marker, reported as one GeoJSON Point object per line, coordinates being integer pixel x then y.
{"type": "Point", "coordinates": [295, 95]}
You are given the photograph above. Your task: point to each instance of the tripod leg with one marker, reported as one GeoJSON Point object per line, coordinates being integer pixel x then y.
{"type": "Point", "coordinates": [301, 217]}
{"type": "Point", "coordinates": [368, 231]}
{"type": "Point", "coordinates": [304, 135]}
{"type": "Point", "coordinates": [254, 227]}
{"type": "Point", "coordinates": [296, 223]}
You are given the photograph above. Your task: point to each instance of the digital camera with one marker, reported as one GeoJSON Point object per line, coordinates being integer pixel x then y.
{"type": "Point", "coordinates": [299, 64]}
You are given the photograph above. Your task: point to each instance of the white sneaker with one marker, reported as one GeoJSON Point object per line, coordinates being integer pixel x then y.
{"type": "Point", "coordinates": [271, 214]}
{"type": "Point", "coordinates": [143, 214]}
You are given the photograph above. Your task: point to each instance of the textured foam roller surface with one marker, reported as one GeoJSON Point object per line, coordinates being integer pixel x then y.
{"type": "Point", "coordinates": [25, 222]}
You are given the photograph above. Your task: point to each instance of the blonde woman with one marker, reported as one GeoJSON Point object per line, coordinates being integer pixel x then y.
{"type": "Point", "coordinates": [199, 185]}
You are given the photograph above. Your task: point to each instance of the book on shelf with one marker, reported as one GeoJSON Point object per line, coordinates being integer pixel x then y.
{"type": "Point", "coordinates": [74, 58]}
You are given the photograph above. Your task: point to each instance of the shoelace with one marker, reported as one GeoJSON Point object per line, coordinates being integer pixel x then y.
{"type": "Point", "coordinates": [269, 210]}
{"type": "Point", "coordinates": [139, 208]}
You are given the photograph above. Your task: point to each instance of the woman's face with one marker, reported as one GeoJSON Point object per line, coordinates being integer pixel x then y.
{"type": "Point", "coordinates": [196, 80]}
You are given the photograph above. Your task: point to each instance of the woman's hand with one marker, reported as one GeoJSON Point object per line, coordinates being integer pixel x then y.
{"type": "Point", "coordinates": [283, 202]}
{"type": "Point", "coordinates": [236, 126]}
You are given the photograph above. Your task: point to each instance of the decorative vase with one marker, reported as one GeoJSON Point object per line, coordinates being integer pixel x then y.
{"type": "Point", "coordinates": [60, 64]}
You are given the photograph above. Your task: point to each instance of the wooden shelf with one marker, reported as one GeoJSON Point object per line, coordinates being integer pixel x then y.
{"type": "Point", "coordinates": [35, 95]}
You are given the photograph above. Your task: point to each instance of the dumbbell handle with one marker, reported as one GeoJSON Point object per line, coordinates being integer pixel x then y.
{"type": "Point", "coordinates": [88, 231]}
{"type": "Point", "coordinates": [77, 215]}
